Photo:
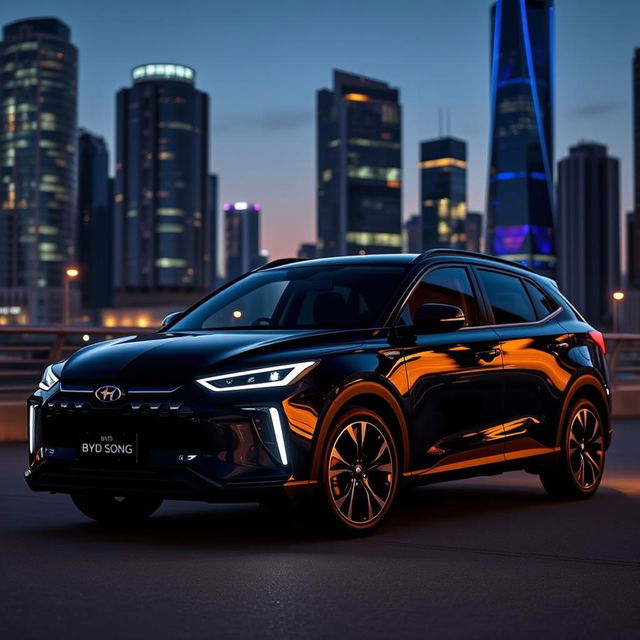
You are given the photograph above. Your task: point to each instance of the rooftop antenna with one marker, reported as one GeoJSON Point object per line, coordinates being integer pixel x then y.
{"type": "Point", "coordinates": [440, 122]}
{"type": "Point", "coordinates": [448, 121]}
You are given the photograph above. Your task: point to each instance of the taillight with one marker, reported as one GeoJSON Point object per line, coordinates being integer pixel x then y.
{"type": "Point", "coordinates": [598, 338]}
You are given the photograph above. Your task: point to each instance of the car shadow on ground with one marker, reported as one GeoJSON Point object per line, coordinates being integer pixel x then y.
{"type": "Point", "coordinates": [433, 512]}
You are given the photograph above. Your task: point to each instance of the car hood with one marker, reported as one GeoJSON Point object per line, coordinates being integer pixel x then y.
{"type": "Point", "coordinates": [174, 358]}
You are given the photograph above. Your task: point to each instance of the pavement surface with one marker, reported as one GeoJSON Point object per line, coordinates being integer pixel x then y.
{"type": "Point", "coordinates": [475, 559]}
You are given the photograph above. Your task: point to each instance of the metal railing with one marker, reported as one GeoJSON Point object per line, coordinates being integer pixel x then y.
{"type": "Point", "coordinates": [25, 352]}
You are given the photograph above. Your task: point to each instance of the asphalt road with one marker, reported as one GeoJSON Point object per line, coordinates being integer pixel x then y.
{"type": "Point", "coordinates": [473, 559]}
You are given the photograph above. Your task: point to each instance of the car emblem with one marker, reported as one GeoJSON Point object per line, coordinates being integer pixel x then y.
{"type": "Point", "coordinates": [109, 393]}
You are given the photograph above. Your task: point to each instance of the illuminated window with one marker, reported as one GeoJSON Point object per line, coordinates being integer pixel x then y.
{"type": "Point", "coordinates": [170, 263]}
{"type": "Point", "coordinates": [442, 162]}
{"type": "Point", "coordinates": [368, 239]}
{"type": "Point", "coordinates": [170, 211]}
{"type": "Point", "coordinates": [357, 97]}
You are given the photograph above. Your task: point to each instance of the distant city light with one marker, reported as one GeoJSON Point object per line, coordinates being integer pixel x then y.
{"type": "Point", "coordinates": [241, 206]}
{"type": "Point", "coordinates": [72, 272]}
{"type": "Point", "coordinates": [163, 72]}
{"type": "Point", "coordinates": [86, 337]}
{"type": "Point", "coordinates": [237, 314]}
{"type": "Point", "coordinates": [618, 296]}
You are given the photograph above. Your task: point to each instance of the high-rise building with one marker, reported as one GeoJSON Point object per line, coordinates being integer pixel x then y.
{"type": "Point", "coordinates": [95, 225]}
{"type": "Point", "coordinates": [307, 251]}
{"type": "Point", "coordinates": [633, 223]}
{"type": "Point", "coordinates": [412, 232]}
{"type": "Point", "coordinates": [589, 230]}
{"type": "Point", "coordinates": [216, 249]}
{"type": "Point", "coordinates": [163, 227]}
{"type": "Point", "coordinates": [38, 106]}
{"type": "Point", "coordinates": [474, 232]}
{"type": "Point", "coordinates": [443, 192]}
{"type": "Point", "coordinates": [242, 238]}
{"type": "Point", "coordinates": [520, 207]}
{"type": "Point", "coordinates": [359, 167]}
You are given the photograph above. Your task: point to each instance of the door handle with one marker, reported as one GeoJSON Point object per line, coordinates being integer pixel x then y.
{"type": "Point", "coordinates": [557, 346]}
{"type": "Point", "coordinates": [488, 355]}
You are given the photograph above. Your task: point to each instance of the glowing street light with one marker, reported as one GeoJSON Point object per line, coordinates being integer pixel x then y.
{"type": "Point", "coordinates": [70, 273]}
{"type": "Point", "coordinates": [618, 297]}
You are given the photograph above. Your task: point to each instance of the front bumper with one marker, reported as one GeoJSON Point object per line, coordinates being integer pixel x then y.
{"type": "Point", "coordinates": [186, 447]}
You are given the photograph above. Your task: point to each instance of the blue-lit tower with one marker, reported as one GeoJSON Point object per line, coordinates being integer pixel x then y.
{"type": "Point", "coordinates": [520, 220]}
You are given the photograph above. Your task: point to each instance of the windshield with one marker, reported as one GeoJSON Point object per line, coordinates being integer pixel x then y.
{"type": "Point", "coordinates": [331, 297]}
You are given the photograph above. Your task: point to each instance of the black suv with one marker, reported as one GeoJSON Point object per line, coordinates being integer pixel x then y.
{"type": "Point", "coordinates": [337, 380]}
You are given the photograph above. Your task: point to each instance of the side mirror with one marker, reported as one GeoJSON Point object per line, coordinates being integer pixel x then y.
{"type": "Point", "coordinates": [170, 318]}
{"type": "Point", "coordinates": [438, 318]}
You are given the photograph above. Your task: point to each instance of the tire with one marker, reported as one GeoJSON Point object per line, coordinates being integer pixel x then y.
{"type": "Point", "coordinates": [109, 509]}
{"type": "Point", "coordinates": [578, 471]}
{"type": "Point", "coordinates": [359, 473]}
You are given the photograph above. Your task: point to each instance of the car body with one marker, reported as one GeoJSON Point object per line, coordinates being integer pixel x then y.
{"type": "Point", "coordinates": [458, 363]}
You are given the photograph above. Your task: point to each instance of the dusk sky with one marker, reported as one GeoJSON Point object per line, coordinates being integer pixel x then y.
{"type": "Point", "coordinates": [262, 61]}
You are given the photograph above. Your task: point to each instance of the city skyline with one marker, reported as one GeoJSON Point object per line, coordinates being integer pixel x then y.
{"type": "Point", "coordinates": [594, 50]}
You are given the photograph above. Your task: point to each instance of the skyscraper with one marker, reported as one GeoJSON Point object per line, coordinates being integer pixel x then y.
{"type": "Point", "coordinates": [633, 224]}
{"type": "Point", "coordinates": [359, 167]}
{"type": "Point", "coordinates": [95, 224]}
{"type": "Point", "coordinates": [38, 105]}
{"type": "Point", "coordinates": [163, 227]}
{"type": "Point", "coordinates": [474, 231]}
{"type": "Point", "coordinates": [216, 250]}
{"type": "Point", "coordinates": [242, 238]}
{"type": "Point", "coordinates": [520, 209]}
{"type": "Point", "coordinates": [589, 230]}
{"type": "Point", "coordinates": [443, 192]}
{"type": "Point", "coordinates": [413, 236]}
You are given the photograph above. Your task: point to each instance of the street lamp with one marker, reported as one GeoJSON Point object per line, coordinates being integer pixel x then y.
{"type": "Point", "coordinates": [618, 297]}
{"type": "Point", "coordinates": [71, 273]}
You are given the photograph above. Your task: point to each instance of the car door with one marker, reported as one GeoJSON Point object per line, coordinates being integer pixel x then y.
{"type": "Point", "coordinates": [534, 346]}
{"type": "Point", "coordinates": [454, 379]}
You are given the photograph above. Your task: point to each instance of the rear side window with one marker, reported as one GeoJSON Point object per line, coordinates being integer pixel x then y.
{"type": "Point", "coordinates": [449, 285]}
{"type": "Point", "coordinates": [508, 298]}
{"type": "Point", "coordinates": [543, 304]}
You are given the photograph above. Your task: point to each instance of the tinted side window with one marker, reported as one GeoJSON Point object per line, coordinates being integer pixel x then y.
{"type": "Point", "coordinates": [544, 305]}
{"type": "Point", "coordinates": [508, 298]}
{"type": "Point", "coordinates": [449, 285]}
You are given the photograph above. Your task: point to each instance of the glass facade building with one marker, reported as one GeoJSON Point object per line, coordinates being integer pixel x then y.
{"type": "Point", "coordinates": [589, 230]}
{"type": "Point", "coordinates": [633, 219]}
{"type": "Point", "coordinates": [163, 227]}
{"type": "Point", "coordinates": [95, 224]}
{"type": "Point", "coordinates": [520, 218]}
{"type": "Point", "coordinates": [38, 111]}
{"type": "Point", "coordinates": [242, 238]}
{"type": "Point", "coordinates": [443, 193]}
{"type": "Point", "coordinates": [359, 167]}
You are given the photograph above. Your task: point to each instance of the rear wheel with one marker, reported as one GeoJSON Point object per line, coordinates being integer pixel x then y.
{"type": "Point", "coordinates": [116, 509]}
{"type": "Point", "coordinates": [578, 471]}
{"type": "Point", "coordinates": [360, 472]}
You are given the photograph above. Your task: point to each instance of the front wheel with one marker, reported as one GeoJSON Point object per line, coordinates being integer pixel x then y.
{"type": "Point", "coordinates": [109, 509]}
{"type": "Point", "coordinates": [578, 472]}
{"type": "Point", "coordinates": [360, 471]}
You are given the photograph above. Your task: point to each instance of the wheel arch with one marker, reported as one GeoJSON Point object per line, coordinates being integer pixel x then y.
{"type": "Point", "coordinates": [587, 387]}
{"type": "Point", "coordinates": [375, 397]}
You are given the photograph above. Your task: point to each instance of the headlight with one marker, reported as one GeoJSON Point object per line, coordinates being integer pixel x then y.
{"type": "Point", "coordinates": [48, 379]}
{"type": "Point", "coordinates": [279, 376]}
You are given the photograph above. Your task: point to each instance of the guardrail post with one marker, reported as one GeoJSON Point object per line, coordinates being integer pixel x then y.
{"type": "Point", "coordinates": [56, 348]}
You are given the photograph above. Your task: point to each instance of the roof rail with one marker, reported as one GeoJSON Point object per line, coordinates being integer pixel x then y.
{"type": "Point", "coordinates": [279, 263]}
{"type": "Point", "coordinates": [430, 253]}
